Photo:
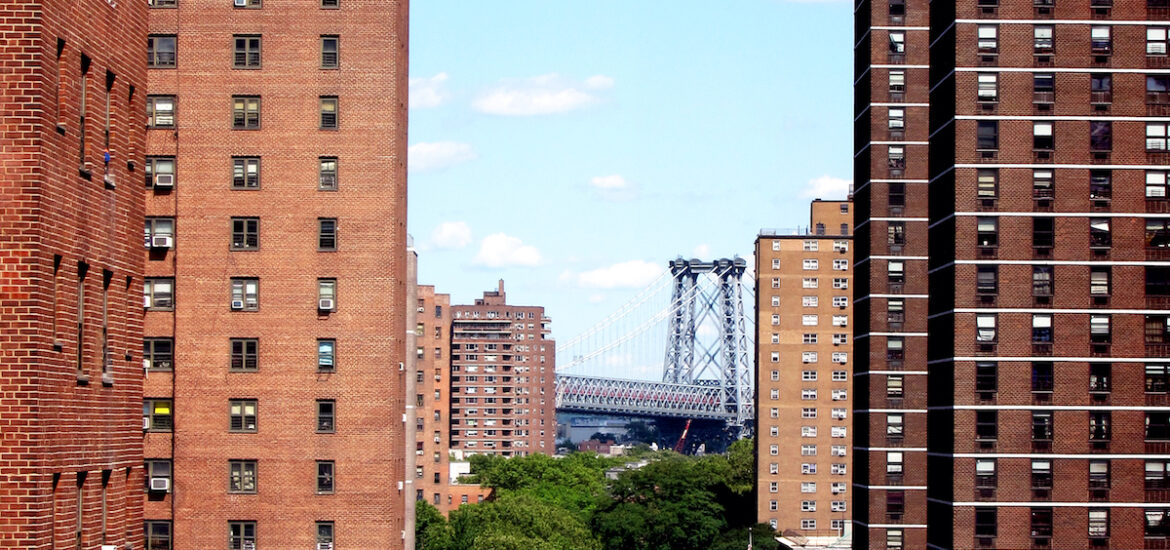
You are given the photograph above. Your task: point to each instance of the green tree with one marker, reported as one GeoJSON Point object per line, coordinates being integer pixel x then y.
{"type": "Point", "coordinates": [639, 430]}
{"type": "Point", "coordinates": [431, 531]}
{"type": "Point", "coordinates": [574, 483]}
{"type": "Point", "coordinates": [763, 538]}
{"type": "Point", "coordinates": [520, 522]}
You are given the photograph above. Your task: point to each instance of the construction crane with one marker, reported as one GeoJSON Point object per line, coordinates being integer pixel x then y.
{"type": "Point", "coordinates": [678, 447]}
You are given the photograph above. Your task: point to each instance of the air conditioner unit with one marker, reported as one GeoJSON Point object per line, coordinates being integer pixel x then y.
{"type": "Point", "coordinates": [421, 309]}
{"type": "Point", "coordinates": [240, 3]}
{"type": "Point", "coordinates": [164, 181]}
{"type": "Point", "coordinates": [324, 546]}
{"type": "Point", "coordinates": [162, 241]}
{"type": "Point", "coordinates": [160, 484]}
{"type": "Point", "coordinates": [325, 304]}
{"type": "Point", "coordinates": [109, 179]}
{"type": "Point", "coordinates": [146, 301]}
{"type": "Point", "coordinates": [145, 423]}
{"type": "Point", "coordinates": [237, 304]}
{"type": "Point", "coordinates": [146, 364]}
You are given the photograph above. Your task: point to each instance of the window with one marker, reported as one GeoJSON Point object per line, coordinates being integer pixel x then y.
{"type": "Point", "coordinates": [985, 477]}
{"type": "Point", "coordinates": [1157, 475]}
{"type": "Point", "coordinates": [840, 284]}
{"type": "Point", "coordinates": [325, 354]}
{"type": "Point", "coordinates": [895, 271]}
{"type": "Point", "coordinates": [326, 415]}
{"type": "Point", "coordinates": [896, 119]}
{"type": "Point", "coordinates": [1042, 426]}
{"type": "Point", "coordinates": [324, 476]}
{"type": "Point", "coordinates": [896, 193]}
{"type": "Point", "coordinates": [1157, 89]}
{"type": "Point", "coordinates": [329, 53]}
{"type": "Point", "coordinates": [840, 320]}
{"type": "Point", "coordinates": [987, 280]}
{"type": "Point", "coordinates": [986, 426]}
{"type": "Point", "coordinates": [986, 379]}
{"type": "Point", "coordinates": [988, 87]}
{"type": "Point", "coordinates": [1100, 41]}
{"type": "Point", "coordinates": [245, 172]}
{"type": "Point", "coordinates": [808, 431]}
{"type": "Point", "coordinates": [242, 476]}
{"type": "Point", "coordinates": [245, 354]}
{"type": "Point", "coordinates": [987, 231]}
{"type": "Point", "coordinates": [327, 174]}
{"type": "Point", "coordinates": [987, 135]}
{"type": "Point", "coordinates": [809, 412]}
{"type": "Point", "coordinates": [987, 183]}
{"type": "Point", "coordinates": [895, 426]}
{"type": "Point", "coordinates": [160, 172]}
{"type": "Point", "coordinates": [895, 503]}
{"type": "Point", "coordinates": [327, 294]}
{"type": "Point", "coordinates": [893, 462]}
{"type": "Point", "coordinates": [245, 294]}
{"type": "Point", "coordinates": [1100, 377]}
{"type": "Point", "coordinates": [1041, 329]}
{"type": "Point", "coordinates": [326, 4]}
{"type": "Point", "coordinates": [808, 394]}
{"type": "Point", "coordinates": [1098, 522]}
{"type": "Point", "coordinates": [773, 487]}
{"type": "Point", "coordinates": [328, 113]}
{"type": "Point", "coordinates": [988, 43]}
{"type": "Point", "coordinates": [808, 376]}
{"type": "Point", "coordinates": [1099, 234]}
{"type": "Point", "coordinates": [894, 539]}
{"type": "Point", "coordinates": [1157, 281]}
{"type": "Point", "coordinates": [1101, 88]}
{"type": "Point", "coordinates": [1042, 522]}
{"type": "Point", "coordinates": [327, 234]}
{"type": "Point", "coordinates": [808, 301]}
{"type": "Point", "coordinates": [246, 52]}
{"type": "Point", "coordinates": [1042, 136]}
{"type": "Point", "coordinates": [245, 233]}
{"type": "Point", "coordinates": [1156, 136]}
{"type": "Point", "coordinates": [1043, 186]}
{"type": "Point", "coordinates": [775, 319]}
{"type": "Point", "coordinates": [809, 282]}
{"type": "Point", "coordinates": [808, 487]}
{"type": "Point", "coordinates": [1042, 40]}
{"type": "Point", "coordinates": [840, 375]}
{"type": "Point", "coordinates": [808, 357]}
{"type": "Point", "coordinates": [985, 525]}
{"type": "Point", "coordinates": [808, 338]}
{"type": "Point", "coordinates": [810, 265]}
{"type": "Point", "coordinates": [1157, 233]}
{"type": "Point", "coordinates": [1043, 88]}
{"type": "Point", "coordinates": [985, 327]}
{"type": "Point", "coordinates": [160, 111]}
{"type": "Point", "coordinates": [839, 413]}
{"type": "Point", "coordinates": [1042, 281]}
{"type": "Point", "coordinates": [1100, 424]}
{"type": "Point", "coordinates": [1100, 329]}
{"type": "Point", "coordinates": [895, 386]}
{"type": "Point", "coordinates": [1100, 137]}
{"type": "Point", "coordinates": [808, 320]}
{"type": "Point", "coordinates": [808, 524]}
{"type": "Point", "coordinates": [1157, 329]}
{"type": "Point", "coordinates": [896, 157]}
{"type": "Point", "coordinates": [160, 51]}
{"type": "Point", "coordinates": [325, 532]}
{"type": "Point", "coordinates": [158, 534]}
{"type": "Point", "coordinates": [1156, 41]}
{"type": "Point", "coordinates": [242, 415]}
{"type": "Point", "coordinates": [1157, 380]}
{"type": "Point", "coordinates": [245, 112]}
{"type": "Point", "coordinates": [840, 265]}
{"type": "Point", "coordinates": [1041, 474]}
{"type": "Point", "coordinates": [159, 227]}
{"type": "Point", "coordinates": [157, 416]}
{"type": "Point", "coordinates": [808, 468]}
{"type": "Point", "coordinates": [158, 354]}
{"type": "Point", "coordinates": [837, 450]}
{"type": "Point", "coordinates": [1156, 184]}
{"type": "Point", "coordinates": [158, 293]}
{"type": "Point", "coordinates": [895, 311]}
{"type": "Point", "coordinates": [1157, 522]}
{"type": "Point", "coordinates": [247, 3]}
{"type": "Point", "coordinates": [808, 506]}
{"type": "Point", "coordinates": [897, 84]}
{"type": "Point", "coordinates": [1100, 184]}
{"type": "Point", "coordinates": [241, 535]}
{"type": "Point", "coordinates": [837, 488]}
{"type": "Point", "coordinates": [1157, 426]}
{"type": "Point", "coordinates": [1099, 281]}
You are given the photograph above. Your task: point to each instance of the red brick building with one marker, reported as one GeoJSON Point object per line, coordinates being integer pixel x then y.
{"type": "Point", "coordinates": [503, 378]}
{"type": "Point", "coordinates": [70, 269]}
{"type": "Point", "coordinates": [891, 105]}
{"type": "Point", "coordinates": [432, 394]}
{"type": "Point", "coordinates": [276, 274]}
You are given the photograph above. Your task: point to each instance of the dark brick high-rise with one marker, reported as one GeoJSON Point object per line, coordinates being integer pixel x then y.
{"type": "Point", "coordinates": [1049, 282]}
{"type": "Point", "coordinates": [74, 81]}
{"type": "Point", "coordinates": [890, 205]}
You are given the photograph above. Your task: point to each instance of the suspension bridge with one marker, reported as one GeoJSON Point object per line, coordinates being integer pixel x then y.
{"type": "Point", "coordinates": [683, 347]}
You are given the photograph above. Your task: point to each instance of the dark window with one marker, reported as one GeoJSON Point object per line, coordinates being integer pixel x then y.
{"type": "Point", "coordinates": [241, 476]}
{"type": "Point", "coordinates": [246, 52]}
{"type": "Point", "coordinates": [1042, 522]}
{"type": "Point", "coordinates": [1043, 136]}
{"type": "Point", "coordinates": [985, 525]}
{"type": "Point", "coordinates": [987, 279]}
{"type": "Point", "coordinates": [330, 3]}
{"type": "Point", "coordinates": [1042, 377]}
{"type": "Point", "coordinates": [1041, 328]}
{"type": "Point", "coordinates": [1158, 426]}
{"type": "Point", "coordinates": [896, 233]}
{"type": "Point", "coordinates": [1100, 135]}
{"type": "Point", "coordinates": [160, 50]}
{"type": "Point", "coordinates": [326, 353]}
{"type": "Point", "coordinates": [1100, 425]}
{"type": "Point", "coordinates": [242, 413]}
{"type": "Point", "coordinates": [986, 380]}
{"type": "Point", "coordinates": [158, 353]}
{"type": "Point", "coordinates": [1100, 184]}
{"type": "Point", "coordinates": [1157, 89]}
{"type": "Point", "coordinates": [986, 428]}
{"type": "Point", "coordinates": [326, 415]}
{"type": "Point", "coordinates": [987, 231]}
{"type": "Point", "coordinates": [1101, 88]}
{"type": "Point", "coordinates": [241, 535]}
{"type": "Point", "coordinates": [324, 476]}
{"type": "Point", "coordinates": [1043, 184]}
{"type": "Point", "coordinates": [897, 194]}
{"type": "Point", "coordinates": [245, 233]}
{"type": "Point", "coordinates": [1157, 233]}
{"type": "Point", "coordinates": [328, 112]}
{"type": "Point", "coordinates": [1043, 88]}
{"type": "Point", "coordinates": [324, 534]}
{"type": "Point", "coordinates": [1157, 522]}
{"type": "Point", "coordinates": [1100, 235]}
{"type": "Point", "coordinates": [1157, 281]}
{"type": "Point", "coordinates": [1157, 329]}
{"type": "Point", "coordinates": [1157, 378]}
{"type": "Point", "coordinates": [329, 52]}
{"type": "Point", "coordinates": [327, 234]}
{"type": "Point", "coordinates": [158, 535]}
{"type": "Point", "coordinates": [245, 172]}
{"type": "Point", "coordinates": [1042, 426]}
{"type": "Point", "coordinates": [1100, 378]}
{"type": "Point", "coordinates": [1041, 474]}
{"type": "Point", "coordinates": [245, 354]}
{"type": "Point", "coordinates": [987, 135]}
{"type": "Point", "coordinates": [245, 112]}
{"type": "Point", "coordinates": [327, 174]}
{"type": "Point", "coordinates": [895, 502]}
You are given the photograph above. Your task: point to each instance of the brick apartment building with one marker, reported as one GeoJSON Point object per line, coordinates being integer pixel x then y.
{"type": "Point", "coordinates": [276, 274]}
{"type": "Point", "coordinates": [432, 405]}
{"type": "Point", "coordinates": [804, 371]}
{"type": "Point", "coordinates": [503, 378]}
{"type": "Point", "coordinates": [1046, 388]}
{"type": "Point", "coordinates": [70, 269]}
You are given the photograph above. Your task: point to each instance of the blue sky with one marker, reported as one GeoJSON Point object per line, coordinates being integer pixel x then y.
{"type": "Point", "coordinates": [573, 147]}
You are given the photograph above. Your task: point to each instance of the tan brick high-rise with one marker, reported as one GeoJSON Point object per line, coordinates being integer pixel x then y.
{"type": "Point", "coordinates": [276, 273]}
{"type": "Point", "coordinates": [503, 378]}
{"type": "Point", "coordinates": [804, 370]}
{"type": "Point", "coordinates": [70, 273]}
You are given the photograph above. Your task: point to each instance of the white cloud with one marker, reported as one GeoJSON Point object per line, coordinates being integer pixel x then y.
{"type": "Point", "coordinates": [609, 182]}
{"type": "Point", "coordinates": [702, 252]}
{"type": "Point", "coordinates": [451, 235]}
{"type": "Point", "coordinates": [826, 187]}
{"type": "Point", "coordinates": [599, 82]}
{"type": "Point", "coordinates": [428, 92]}
{"type": "Point", "coordinates": [540, 95]}
{"type": "Point", "coordinates": [596, 298]}
{"type": "Point", "coordinates": [438, 155]}
{"type": "Point", "coordinates": [613, 188]}
{"type": "Point", "coordinates": [631, 274]}
{"type": "Point", "coordinates": [502, 250]}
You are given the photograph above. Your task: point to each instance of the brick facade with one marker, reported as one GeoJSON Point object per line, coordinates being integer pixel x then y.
{"type": "Point", "coordinates": [278, 194]}
{"type": "Point", "coordinates": [432, 397]}
{"type": "Point", "coordinates": [804, 370]}
{"type": "Point", "coordinates": [70, 269]}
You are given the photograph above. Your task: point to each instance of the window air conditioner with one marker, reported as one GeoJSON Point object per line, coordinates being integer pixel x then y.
{"type": "Point", "coordinates": [145, 423]}
{"type": "Point", "coordinates": [146, 364]}
{"type": "Point", "coordinates": [324, 546]}
{"type": "Point", "coordinates": [240, 3]}
{"type": "Point", "coordinates": [237, 304]}
{"type": "Point", "coordinates": [160, 484]}
{"type": "Point", "coordinates": [162, 241]}
{"type": "Point", "coordinates": [325, 304]}
{"type": "Point", "coordinates": [109, 180]}
{"type": "Point", "coordinates": [164, 181]}
{"type": "Point", "coordinates": [146, 301]}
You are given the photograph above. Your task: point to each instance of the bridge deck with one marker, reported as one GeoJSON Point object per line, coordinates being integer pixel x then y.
{"type": "Point", "coordinates": [640, 397]}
